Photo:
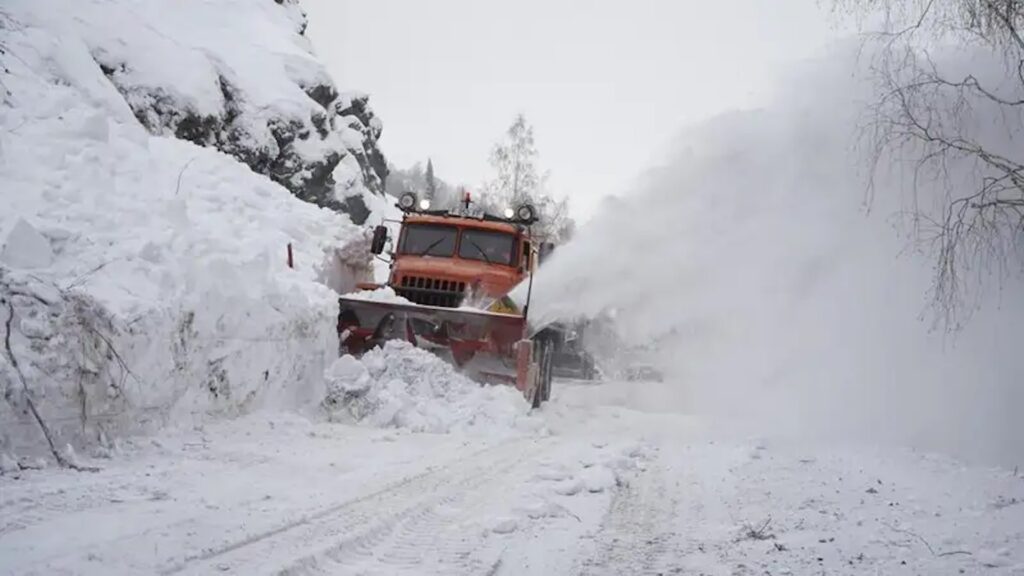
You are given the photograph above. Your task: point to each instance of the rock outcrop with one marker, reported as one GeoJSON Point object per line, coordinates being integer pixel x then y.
{"type": "Point", "coordinates": [271, 105]}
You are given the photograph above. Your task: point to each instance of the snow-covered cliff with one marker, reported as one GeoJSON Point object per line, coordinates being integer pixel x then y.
{"type": "Point", "coordinates": [151, 156]}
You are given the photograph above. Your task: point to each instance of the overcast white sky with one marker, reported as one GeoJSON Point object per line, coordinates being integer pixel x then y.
{"type": "Point", "coordinates": [605, 83]}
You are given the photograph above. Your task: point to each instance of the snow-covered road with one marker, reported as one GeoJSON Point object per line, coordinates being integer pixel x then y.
{"type": "Point", "coordinates": [613, 485]}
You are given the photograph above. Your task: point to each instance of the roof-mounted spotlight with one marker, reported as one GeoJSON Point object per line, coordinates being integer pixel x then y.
{"type": "Point", "coordinates": [407, 201]}
{"type": "Point", "coordinates": [509, 213]}
{"type": "Point", "coordinates": [425, 204]}
{"type": "Point", "coordinates": [526, 214]}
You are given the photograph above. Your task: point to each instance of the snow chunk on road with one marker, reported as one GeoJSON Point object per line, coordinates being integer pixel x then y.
{"type": "Point", "coordinates": [994, 558]}
{"type": "Point", "coordinates": [8, 465]}
{"type": "Point", "coordinates": [505, 526]}
{"type": "Point", "coordinates": [537, 509]}
{"type": "Point", "coordinates": [348, 376]}
{"type": "Point", "coordinates": [598, 478]}
{"type": "Point", "coordinates": [401, 386]}
{"type": "Point", "coordinates": [569, 487]}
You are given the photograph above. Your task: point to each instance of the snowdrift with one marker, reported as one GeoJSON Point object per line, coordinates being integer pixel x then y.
{"type": "Point", "coordinates": [401, 386]}
{"type": "Point", "coordinates": [750, 263]}
{"type": "Point", "coordinates": [143, 279]}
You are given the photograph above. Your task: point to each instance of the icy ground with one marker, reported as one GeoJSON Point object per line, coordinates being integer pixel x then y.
{"type": "Point", "coordinates": [607, 484]}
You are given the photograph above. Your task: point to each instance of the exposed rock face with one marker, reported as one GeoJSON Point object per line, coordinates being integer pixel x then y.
{"type": "Point", "coordinates": [308, 137]}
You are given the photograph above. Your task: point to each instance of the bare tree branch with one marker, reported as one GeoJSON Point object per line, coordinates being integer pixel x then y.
{"type": "Point", "coordinates": [966, 195]}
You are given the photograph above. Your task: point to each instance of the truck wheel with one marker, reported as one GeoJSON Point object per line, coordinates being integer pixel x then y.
{"type": "Point", "coordinates": [384, 331]}
{"type": "Point", "coordinates": [347, 320]}
{"type": "Point", "coordinates": [588, 368]}
{"type": "Point", "coordinates": [545, 351]}
{"type": "Point", "coordinates": [549, 371]}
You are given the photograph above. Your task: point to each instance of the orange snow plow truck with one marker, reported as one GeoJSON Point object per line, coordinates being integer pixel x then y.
{"type": "Point", "coordinates": [452, 272]}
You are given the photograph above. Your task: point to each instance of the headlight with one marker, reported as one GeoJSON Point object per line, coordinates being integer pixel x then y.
{"type": "Point", "coordinates": [424, 204]}
{"type": "Point", "coordinates": [525, 213]}
{"type": "Point", "coordinates": [509, 213]}
{"type": "Point", "coordinates": [407, 201]}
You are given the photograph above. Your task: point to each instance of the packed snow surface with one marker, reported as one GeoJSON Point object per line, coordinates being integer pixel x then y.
{"type": "Point", "coordinates": [614, 484]}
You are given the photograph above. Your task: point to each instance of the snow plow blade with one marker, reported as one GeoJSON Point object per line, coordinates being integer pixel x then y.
{"type": "Point", "coordinates": [490, 347]}
{"type": "Point", "coordinates": [469, 335]}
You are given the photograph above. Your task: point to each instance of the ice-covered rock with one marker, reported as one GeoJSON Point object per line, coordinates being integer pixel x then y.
{"type": "Point", "coordinates": [236, 75]}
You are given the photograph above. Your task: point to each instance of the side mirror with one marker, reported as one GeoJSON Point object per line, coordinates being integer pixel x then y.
{"type": "Point", "coordinates": [380, 237]}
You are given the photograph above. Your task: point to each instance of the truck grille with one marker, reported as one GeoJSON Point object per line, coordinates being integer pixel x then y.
{"type": "Point", "coordinates": [432, 291]}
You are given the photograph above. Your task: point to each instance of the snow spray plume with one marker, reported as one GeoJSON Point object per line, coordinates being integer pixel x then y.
{"type": "Point", "coordinates": [776, 300]}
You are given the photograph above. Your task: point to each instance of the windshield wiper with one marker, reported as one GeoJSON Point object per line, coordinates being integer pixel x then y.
{"type": "Point", "coordinates": [481, 251]}
{"type": "Point", "coordinates": [431, 247]}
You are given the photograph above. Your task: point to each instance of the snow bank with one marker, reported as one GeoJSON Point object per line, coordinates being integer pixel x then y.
{"type": "Point", "coordinates": [749, 261]}
{"type": "Point", "coordinates": [401, 386]}
{"type": "Point", "coordinates": [144, 279]}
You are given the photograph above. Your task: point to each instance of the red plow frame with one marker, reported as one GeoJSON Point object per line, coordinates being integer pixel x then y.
{"type": "Point", "coordinates": [490, 347]}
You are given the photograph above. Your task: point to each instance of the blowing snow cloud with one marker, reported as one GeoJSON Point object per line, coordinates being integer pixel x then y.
{"type": "Point", "coordinates": [776, 291]}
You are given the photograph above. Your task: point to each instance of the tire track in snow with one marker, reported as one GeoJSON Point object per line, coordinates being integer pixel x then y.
{"type": "Point", "coordinates": [433, 539]}
{"type": "Point", "coordinates": [351, 532]}
{"type": "Point", "coordinates": [637, 532]}
{"type": "Point", "coordinates": [74, 493]}
{"type": "Point", "coordinates": [26, 511]}
{"type": "Point", "coordinates": [448, 538]}
{"type": "Point", "coordinates": [84, 493]}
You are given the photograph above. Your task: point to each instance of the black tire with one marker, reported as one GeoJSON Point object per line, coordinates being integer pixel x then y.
{"type": "Point", "coordinates": [346, 319]}
{"type": "Point", "coordinates": [384, 331]}
{"type": "Point", "coordinates": [549, 373]}
{"type": "Point", "coordinates": [544, 350]}
{"type": "Point", "coordinates": [589, 371]}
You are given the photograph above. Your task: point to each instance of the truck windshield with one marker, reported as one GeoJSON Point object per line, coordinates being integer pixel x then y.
{"type": "Point", "coordinates": [429, 240]}
{"type": "Point", "coordinates": [491, 247]}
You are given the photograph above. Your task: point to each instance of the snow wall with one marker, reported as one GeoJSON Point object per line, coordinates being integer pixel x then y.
{"type": "Point", "coordinates": [143, 278]}
{"type": "Point", "coordinates": [776, 301]}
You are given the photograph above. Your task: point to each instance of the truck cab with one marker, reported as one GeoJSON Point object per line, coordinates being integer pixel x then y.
{"type": "Point", "coordinates": [451, 260]}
